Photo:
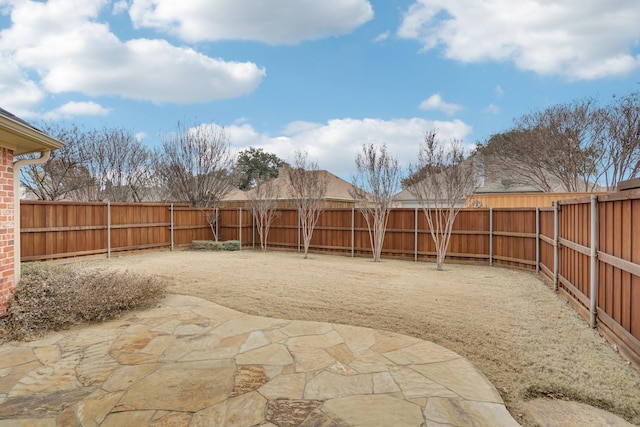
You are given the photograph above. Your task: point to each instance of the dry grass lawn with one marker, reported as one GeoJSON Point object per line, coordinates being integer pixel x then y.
{"type": "Point", "coordinates": [516, 330]}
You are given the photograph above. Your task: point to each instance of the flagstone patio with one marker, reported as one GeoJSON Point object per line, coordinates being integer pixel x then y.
{"type": "Point", "coordinates": [189, 362]}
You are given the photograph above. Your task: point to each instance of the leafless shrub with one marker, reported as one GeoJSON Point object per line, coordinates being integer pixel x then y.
{"type": "Point", "coordinates": [264, 202]}
{"type": "Point", "coordinates": [308, 188]}
{"type": "Point", "coordinates": [446, 178]}
{"type": "Point", "coordinates": [50, 298]}
{"type": "Point", "coordinates": [377, 180]}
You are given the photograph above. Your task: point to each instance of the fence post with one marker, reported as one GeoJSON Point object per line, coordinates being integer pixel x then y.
{"type": "Point", "coordinates": [556, 236]}
{"type": "Point", "coordinates": [217, 214]}
{"type": "Point", "coordinates": [537, 240]}
{"type": "Point", "coordinates": [593, 308]}
{"type": "Point", "coordinates": [108, 229]}
{"type": "Point", "coordinates": [240, 226]}
{"type": "Point", "coordinates": [171, 225]}
{"type": "Point", "coordinates": [353, 232]}
{"type": "Point", "coordinates": [490, 237]}
{"type": "Point", "coordinates": [253, 228]}
{"type": "Point", "coordinates": [415, 237]}
{"type": "Point", "coordinates": [299, 223]}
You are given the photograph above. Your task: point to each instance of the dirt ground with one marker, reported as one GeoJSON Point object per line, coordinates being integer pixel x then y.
{"type": "Point", "coordinates": [514, 328]}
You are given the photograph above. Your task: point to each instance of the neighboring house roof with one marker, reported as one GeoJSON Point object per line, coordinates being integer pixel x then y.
{"type": "Point", "coordinates": [236, 195]}
{"type": "Point", "coordinates": [22, 138]}
{"type": "Point", "coordinates": [496, 178]}
{"type": "Point", "coordinates": [406, 199]}
{"type": "Point", "coordinates": [337, 188]}
{"type": "Point", "coordinates": [493, 178]}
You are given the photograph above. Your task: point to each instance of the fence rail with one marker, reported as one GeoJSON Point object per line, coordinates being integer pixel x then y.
{"type": "Point", "coordinates": [588, 248]}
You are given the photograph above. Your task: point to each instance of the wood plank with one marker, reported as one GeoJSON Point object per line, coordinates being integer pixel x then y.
{"type": "Point", "coordinates": [625, 296]}
{"type": "Point", "coordinates": [143, 225]}
{"type": "Point", "coordinates": [619, 331]}
{"type": "Point", "coordinates": [574, 246]}
{"type": "Point", "coordinates": [634, 327]}
{"type": "Point", "coordinates": [137, 247]}
{"type": "Point", "coordinates": [510, 259]}
{"type": "Point", "coordinates": [629, 184]}
{"type": "Point", "coordinates": [547, 272]}
{"type": "Point", "coordinates": [619, 263]}
{"type": "Point", "coordinates": [61, 255]}
{"type": "Point", "coordinates": [581, 297]}
{"type": "Point", "coordinates": [514, 234]}
{"type": "Point", "coordinates": [63, 229]}
{"type": "Point", "coordinates": [581, 309]}
{"type": "Point", "coordinates": [622, 195]}
{"type": "Point", "coordinates": [548, 240]}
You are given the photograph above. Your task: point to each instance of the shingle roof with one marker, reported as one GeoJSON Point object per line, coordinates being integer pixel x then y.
{"type": "Point", "coordinates": [15, 118]}
{"type": "Point", "coordinates": [337, 188]}
{"type": "Point", "coordinates": [21, 137]}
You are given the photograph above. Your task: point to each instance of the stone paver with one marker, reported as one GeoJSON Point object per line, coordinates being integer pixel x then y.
{"type": "Point", "coordinates": [572, 414]}
{"type": "Point", "coordinates": [191, 363]}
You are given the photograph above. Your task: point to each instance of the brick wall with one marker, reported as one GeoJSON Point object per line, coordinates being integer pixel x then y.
{"type": "Point", "coordinates": [6, 229]}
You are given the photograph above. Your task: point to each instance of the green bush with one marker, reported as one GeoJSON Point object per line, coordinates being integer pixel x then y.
{"type": "Point", "coordinates": [211, 245]}
{"type": "Point", "coordinates": [232, 245]}
{"type": "Point", "coordinates": [206, 245]}
{"type": "Point", "coordinates": [50, 298]}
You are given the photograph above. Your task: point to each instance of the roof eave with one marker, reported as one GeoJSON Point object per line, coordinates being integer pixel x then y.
{"type": "Point", "coordinates": [23, 139]}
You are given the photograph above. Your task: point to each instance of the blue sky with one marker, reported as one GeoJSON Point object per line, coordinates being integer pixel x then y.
{"type": "Point", "coordinates": [325, 76]}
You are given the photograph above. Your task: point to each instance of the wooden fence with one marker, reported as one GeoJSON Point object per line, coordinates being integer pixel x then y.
{"type": "Point", "coordinates": [588, 249]}
{"type": "Point", "coordinates": [519, 200]}
{"type": "Point", "coordinates": [52, 230]}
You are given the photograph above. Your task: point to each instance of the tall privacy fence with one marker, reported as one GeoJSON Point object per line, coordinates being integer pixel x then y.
{"type": "Point", "coordinates": [589, 248]}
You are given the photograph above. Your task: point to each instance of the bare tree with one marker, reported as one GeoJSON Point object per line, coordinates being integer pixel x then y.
{"type": "Point", "coordinates": [120, 165]}
{"type": "Point", "coordinates": [65, 173]}
{"type": "Point", "coordinates": [263, 199]}
{"type": "Point", "coordinates": [447, 179]}
{"type": "Point", "coordinates": [556, 146]}
{"type": "Point", "coordinates": [308, 188]}
{"type": "Point", "coordinates": [377, 180]}
{"type": "Point", "coordinates": [197, 165]}
{"type": "Point", "coordinates": [620, 140]}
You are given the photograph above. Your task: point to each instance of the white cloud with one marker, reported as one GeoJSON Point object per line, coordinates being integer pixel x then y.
{"type": "Point", "coordinates": [382, 37]}
{"type": "Point", "coordinates": [335, 143]}
{"type": "Point", "coordinates": [273, 22]}
{"type": "Point", "coordinates": [18, 93]}
{"type": "Point", "coordinates": [187, 76]}
{"type": "Point", "coordinates": [300, 126]}
{"type": "Point", "coordinates": [120, 6]}
{"type": "Point", "coordinates": [73, 109]}
{"type": "Point", "coordinates": [499, 91]}
{"type": "Point", "coordinates": [492, 109]}
{"type": "Point", "coordinates": [435, 102]}
{"type": "Point", "coordinates": [63, 48]}
{"type": "Point", "coordinates": [580, 40]}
